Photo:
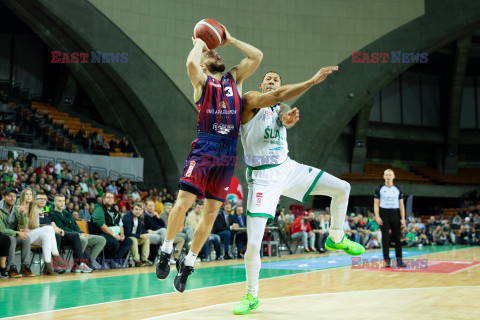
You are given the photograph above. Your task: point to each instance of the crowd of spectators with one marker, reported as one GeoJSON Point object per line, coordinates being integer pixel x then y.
{"type": "Point", "coordinates": [311, 230]}
{"type": "Point", "coordinates": [122, 217]}
{"type": "Point", "coordinates": [118, 211]}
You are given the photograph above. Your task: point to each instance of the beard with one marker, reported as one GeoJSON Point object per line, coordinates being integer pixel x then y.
{"type": "Point", "coordinates": [216, 67]}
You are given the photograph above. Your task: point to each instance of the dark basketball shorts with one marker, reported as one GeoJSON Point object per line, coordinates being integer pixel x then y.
{"type": "Point", "coordinates": [209, 167]}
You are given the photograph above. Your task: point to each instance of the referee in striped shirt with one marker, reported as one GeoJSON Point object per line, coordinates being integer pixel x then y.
{"type": "Point", "coordinates": [390, 215]}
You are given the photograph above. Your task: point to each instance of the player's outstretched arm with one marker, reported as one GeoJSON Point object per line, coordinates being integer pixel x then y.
{"type": "Point", "coordinates": [254, 99]}
{"type": "Point", "coordinates": [248, 65]}
{"type": "Point", "coordinates": [195, 72]}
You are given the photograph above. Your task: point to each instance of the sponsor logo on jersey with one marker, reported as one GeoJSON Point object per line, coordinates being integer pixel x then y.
{"type": "Point", "coordinates": [215, 85]}
{"type": "Point", "coordinates": [273, 134]}
{"type": "Point", "coordinates": [223, 105]}
{"type": "Point", "coordinates": [190, 169]}
{"type": "Point", "coordinates": [223, 128]}
{"type": "Point", "coordinates": [276, 149]}
{"type": "Point", "coordinates": [223, 111]}
{"type": "Point", "coordinates": [259, 196]}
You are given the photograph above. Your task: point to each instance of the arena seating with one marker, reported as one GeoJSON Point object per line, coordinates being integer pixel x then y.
{"type": "Point", "coordinates": [374, 174]}
{"type": "Point", "coordinates": [465, 176]}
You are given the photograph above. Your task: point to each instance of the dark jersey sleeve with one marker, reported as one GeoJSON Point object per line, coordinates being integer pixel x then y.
{"type": "Point", "coordinates": [400, 193]}
{"type": "Point", "coordinates": [376, 195]}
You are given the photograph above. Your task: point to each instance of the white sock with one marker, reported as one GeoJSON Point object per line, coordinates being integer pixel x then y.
{"type": "Point", "coordinates": [255, 231]}
{"type": "Point", "coordinates": [336, 235]}
{"type": "Point", "coordinates": [190, 258]}
{"type": "Point", "coordinates": [167, 246]}
{"type": "Point", "coordinates": [339, 191]}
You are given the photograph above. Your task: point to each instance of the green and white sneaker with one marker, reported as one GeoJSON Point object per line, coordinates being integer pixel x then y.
{"type": "Point", "coordinates": [248, 303]}
{"type": "Point", "coordinates": [350, 247]}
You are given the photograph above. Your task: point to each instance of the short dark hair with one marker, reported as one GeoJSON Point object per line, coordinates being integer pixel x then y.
{"type": "Point", "coordinates": [272, 72]}
{"type": "Point", "coordinates": [58, 195]}
{"type": "Point", "coordinates": [138, 204]}
{"type": "Point", "coordinates": [40, 193]}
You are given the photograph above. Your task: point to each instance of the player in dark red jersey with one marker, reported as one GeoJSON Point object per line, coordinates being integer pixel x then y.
{"type": "Point", "coordinates": [209, 167]}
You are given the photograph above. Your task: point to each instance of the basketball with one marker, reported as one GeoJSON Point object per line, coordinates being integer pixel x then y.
{"type": "Point", "coordinates": [210, 31]}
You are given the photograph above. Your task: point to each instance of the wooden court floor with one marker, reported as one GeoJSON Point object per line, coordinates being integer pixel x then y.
{"type": "Point", "coordinates": [443, 284]}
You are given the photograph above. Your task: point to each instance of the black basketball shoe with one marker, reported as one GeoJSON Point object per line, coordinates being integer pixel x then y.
{"type": "Point", "coordinates": [180, 281]}
{"type": "Point", "coordinates": [163, 266]}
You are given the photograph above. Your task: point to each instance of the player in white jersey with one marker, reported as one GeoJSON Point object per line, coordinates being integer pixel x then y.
{"type": "Point", "coordinates": [271, 173]}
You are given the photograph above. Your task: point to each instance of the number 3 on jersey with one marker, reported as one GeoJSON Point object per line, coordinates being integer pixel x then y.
{"type": "Point", "coordinates": [229, 92]}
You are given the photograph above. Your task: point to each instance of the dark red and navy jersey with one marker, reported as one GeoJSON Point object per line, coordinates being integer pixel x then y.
{"type": "Point", "coordinates": [220, 107]}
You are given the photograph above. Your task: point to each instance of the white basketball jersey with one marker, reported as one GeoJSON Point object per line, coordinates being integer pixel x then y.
{"type": "Point", "coordinates": [264, 138]}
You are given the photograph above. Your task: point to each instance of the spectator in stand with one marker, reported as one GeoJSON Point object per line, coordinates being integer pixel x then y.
{"type": "Point", "coordinates": [124, 203]}
{"type": "Point", "coordinates": [157, 230]}
{"type": "Point", "coordinates": [440, 236]}
{"type": "Point", "coordinates": [193, 219]}
{"type": "Point", "coordinates": [375, 231]}
{"type": "Point", "coordinates": [4, 247]}
{"type": "Point", "coordinates": [223, 227]}
{"type": "Point", "coordinates": [106, 222]}
{"type": "Point", "coordinates": [136, 196]}
{"type": "Point", "coordinates": [13, 224]}
{"type": "Point", "coordinates": [422, 237]}
{"type": "Point", "coordinates": [431, 226]}
{"type": "Point", "coordinates": [65, 220]}
{"type": "Point", "coordinates": [302, 230]}
{"type": "Point", "coordinates": [159, 204]}
{"type": "Point", "coordinates": [420, 225]}
{"type": "Point", "coordinates": [40, 236]}
{"type": "Point", "coordinates": [41, 169]}
{"type": "Point", "coordinates": [76, 216]}
{"type": "Point", "coordinates": [112, 187]}
{"type": "Point", "coordinates": [456, 221]}
{"type": "Point", "coordinates": [125, 146]}
{"type": "Point", "coordinates": [289, 219]}
{"type": "Point", "coordinates": [240, 219]}
{"type": "Point", "coordinates": [356, 229]}
{"type": "Point", "coordinates": [135, 229]}
{"type": "Point", "coordinates": [476, 220]}
{"type": "Point", "coordinates": [85, 213]}
{"type": "Point", "coordinates": [2, 131]}
{"type": "Point", "coordinates": [411, 239]}
{"type": "Point", "coordinates": [186, 233]}
{"type": "Point", "coordinates": [346, 228]}
{"type": "Point", "coordinates": [318, 226]}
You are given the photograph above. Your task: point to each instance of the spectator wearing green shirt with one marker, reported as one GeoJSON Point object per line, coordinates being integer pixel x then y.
{"type": "Point", "coordinates": [411, 237]}
{"type": "Point", "coordinates": [375, 231]}
{"type": "Point", "coordinates": [65, 221]}
{"type": "Point", "coordinates": [107, 222]}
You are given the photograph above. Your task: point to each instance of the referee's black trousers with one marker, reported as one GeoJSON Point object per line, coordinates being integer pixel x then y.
{"type": "Point", "coordinates": [391, 221]}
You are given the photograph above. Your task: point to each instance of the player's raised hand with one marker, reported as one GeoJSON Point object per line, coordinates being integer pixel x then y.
{"type": "Point", "coordinates": [198, 40]}
{"type": "Point", "coordinates": [228, 37]}
{"type": "Point", "coordinates": [291, 117]}
{"type": "Point", "coordinates": [323, 73]}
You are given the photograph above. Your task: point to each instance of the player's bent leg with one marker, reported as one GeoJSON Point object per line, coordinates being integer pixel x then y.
{"type": "Point", "coordinates": [176, 218]}
{"type": "Point", "coordinates": [185, 200]}
{"type": "Point", "coordinates": [339, 191]}
{"type": "Point", "coordinates": [255, 231]}
{"type": "Point", "coordinates": [185, 265]}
